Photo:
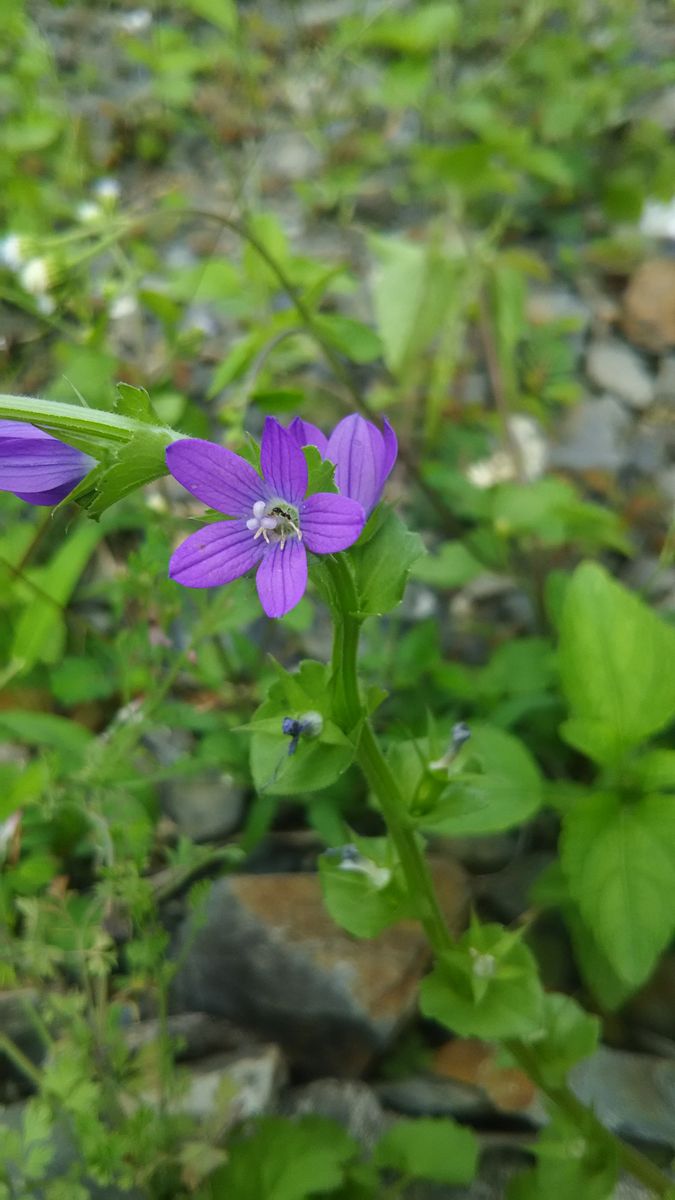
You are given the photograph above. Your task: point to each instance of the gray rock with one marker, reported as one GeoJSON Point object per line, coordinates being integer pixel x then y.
{"type": "Point", "coordinates": [596, 436]}
{"type": "Point", "coordinates": [427, 1095]}
{"type": "Point", "coordinates": [665, 379]}
{"type": "Point", "coordinates": [204, 809]}
{"type": "Point", "coordinates": [231, 1087]}
{"type": "Point", "coordinates": [352, 1104]}
{"type": "Point", "coordinates": [614, 367]}
{"type": "Point", "coordinates": [264, 954]}
{"type": "Point", "coordinates": [631, 1093]}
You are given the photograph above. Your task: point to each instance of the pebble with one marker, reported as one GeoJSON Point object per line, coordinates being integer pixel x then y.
{"type": "Point", "coordinates": [616, 368]}
{"type": "Point", "coordinates": [648, 313]}
{"type": "Point", "coordinates": [353, 1104]}
{"type": "Point", "coordinates": [595, 436]}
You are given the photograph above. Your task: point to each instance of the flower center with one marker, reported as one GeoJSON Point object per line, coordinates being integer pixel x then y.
{"type": "Point", "coordinates": [274, 521]}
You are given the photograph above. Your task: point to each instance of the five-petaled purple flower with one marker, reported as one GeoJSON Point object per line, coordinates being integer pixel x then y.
{"type": "Point", "coordinates": [37, 467]}
{"type": "Point", "coordinates": [275, 525]}
{"type": "Point", "coordinates": [363, 456]}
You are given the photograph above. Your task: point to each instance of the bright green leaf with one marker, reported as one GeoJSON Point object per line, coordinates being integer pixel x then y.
{"type": "Point", "coordinates": [619, 859]}
{"type": "Point", "coordinates": [494, 785]}
{"type": "Point", "coordinates": [429, 1148]}
{"type": "Point", "coordinates": [383, 562]}
{"type": "Point", "coordinates": [613, 656]}
{"type": "Point", "coordinates": [486, 986]}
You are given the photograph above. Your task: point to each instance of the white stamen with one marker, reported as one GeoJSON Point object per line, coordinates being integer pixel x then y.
{"type": "Point", "coordinates": [252, 523]}
{"type": "Point", "coordinates": [259, 509]}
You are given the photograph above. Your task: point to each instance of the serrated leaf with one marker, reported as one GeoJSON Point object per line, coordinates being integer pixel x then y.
{"type": "Point", "coordinates": [285, 1160]}
{"type": "Point", "coordinates": [429, 1148]}
{"type": "Point", "coordinates": [382, 564]}
{"type": "Point", "coordinates": [486, 986]}
{"type": "Point", "coordinates": [135, 402]}
{"type": "Point", "coordinates": [612, 655]}
{"type": "Point", "coordinates": [320, 472]}
{"type": "Point", "coordinates": [139, 461]}
{"type": "Point", "coordinates": [619, 860]}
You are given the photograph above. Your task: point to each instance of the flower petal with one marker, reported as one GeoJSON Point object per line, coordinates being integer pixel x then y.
{"type": "Point", "coordinates": [330, 523]}
{"type": "Point", "coordinates": [390, 450]}
{"type": "Point", "coordinates": [357, 449]}
{"type": "Point", "coordinates": [21, 429]}
{"type": "Point", "coordinates": [306, 434]}
{"type": "Point", "coordinates": [32, 465]}
{"type": "Point", "coordinates": [282, 577]}
{"type": "Point", "coordinates": [215, 555]}
{"type": "Point", "coordinates": [52, 496]}
{"type": "Point", "coordinates": [283, 463]}
{"type": "Point", "coordinates": [215, 475]}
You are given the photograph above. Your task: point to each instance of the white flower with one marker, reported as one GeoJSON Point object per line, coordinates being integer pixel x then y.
{"type": "Point", "coordinates": [35, 276]}
{"type": "Point", "coordinates": [88, 210]}
{"type": "Point", "coordinates": [13, 251]}
{"type": "Point", "coordinates": [107, 189]}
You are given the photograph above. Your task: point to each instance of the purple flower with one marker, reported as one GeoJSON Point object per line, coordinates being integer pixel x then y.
{"type": "Point", "coordinates": [274, 525]}
{"type": "Point", "coordinates": [37, 467]}
{"type": "Point", "coordinates": [362, 455]}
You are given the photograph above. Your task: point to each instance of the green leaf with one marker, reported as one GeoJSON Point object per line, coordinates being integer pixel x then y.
{"type": "Point", "coordinates": [569, 1035]}
{"type": "Point", "coordinates": [413, 287]}
{"type": "Point", "coordinates": [452, 567]}
{"type": "Point", "coordinates": [46, 730]}
{"type": "Point", "coordinates": [429, 1148]}
{"type": "Point", "coordinates": [612, 655]}
{"type": "Point", "coordinates": [382, 563]}
{"type": "Point", "coordinates": [141, 460]}
{"type": "Point", "coordinates": [486, 986]}
{"type": "Point", "coordinates": [619, 860]}
{"type": "Point", "coordinates": [41, 629]}
{"type": "Point", "coordinates": [135, 402]}
{"type": "Point", "coordinates": [321, 472]}
{"type": "Point", "coordinates": [355, 340]}
{"type": "Point", "coordinates": [494, 785]}
{"type": "Point", "coordinates": [77, 680]}
{"type": "Point", "coordinates": [317, 762]}
{"type": "Point", "coordinates": [285, 1160]}
{"type": "Point", "coordinates": [574, 1160]}
{"type": "Point", "coordinates": [365, 901]}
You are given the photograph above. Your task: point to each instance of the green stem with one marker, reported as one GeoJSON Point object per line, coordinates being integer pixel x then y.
{"type": "Point", "coordinates": [20, 1060]}
{"type": "Point", "coordinates": [349, 710]}
{"type": "Point", "coordinates": [74, 418]}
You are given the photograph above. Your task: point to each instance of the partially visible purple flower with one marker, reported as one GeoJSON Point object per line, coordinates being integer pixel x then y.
{"type": "Point", "coordinates": [37, 467]}
{"type": "Point", "coordinates": [363, 456]}
{"type": "Point", "coordinates": [274, 524]}
{"type": "Point", "coordinates": [306, 434]}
